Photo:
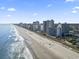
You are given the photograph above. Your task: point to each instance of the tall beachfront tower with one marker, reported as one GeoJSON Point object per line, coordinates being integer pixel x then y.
{"type": "Point", "coordinates": [66, 29]}
{"type": "Point", "coordinates": [49, 27]}
{"type": "Point", "coordinates": [59, 30]}
{"type": "Point", "coordinates": [36, 26]}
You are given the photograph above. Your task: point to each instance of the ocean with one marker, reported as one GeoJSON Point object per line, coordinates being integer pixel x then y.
{"type": "Point", "coordinates": [12, 45]}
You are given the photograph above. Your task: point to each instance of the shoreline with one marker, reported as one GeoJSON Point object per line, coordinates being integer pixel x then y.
{"type": "Point", "coordinates": [31, 50]}
{"type": "Point", "coordinates": [21, 39]}
{"type": "Point", "coordinates": [27, 44]}
{"type": "Point", "coordinates": [42, 48]}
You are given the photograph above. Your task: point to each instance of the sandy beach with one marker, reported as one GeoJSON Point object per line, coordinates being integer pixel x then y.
{"type": "Point", "coordinates": [42, 48]}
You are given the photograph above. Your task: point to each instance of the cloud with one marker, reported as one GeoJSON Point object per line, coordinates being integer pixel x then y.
{"type": "Point", "coordinates": [2, 8]}
{"type": "Point", "coordinates": [43, 18]}
{"type": "Point", "coordinates": [71, 0]}
{"type": "Point", "coordinates": [35, 14]}
{"type": "Point", "coordinates": [75, 9]}
{"type": "Point", "coordinates": [49, 5]}
{"type": "Point", "coordinates": [11, 9]}
{"type": "Point", "coordinates": [8, 15]}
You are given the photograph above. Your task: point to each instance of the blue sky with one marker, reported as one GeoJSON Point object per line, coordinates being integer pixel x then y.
{"type": "Point", "coordinates": [15, 11]}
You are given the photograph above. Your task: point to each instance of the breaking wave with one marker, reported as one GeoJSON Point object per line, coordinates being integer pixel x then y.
{"type": "Point", "coordinates": [17, 49]}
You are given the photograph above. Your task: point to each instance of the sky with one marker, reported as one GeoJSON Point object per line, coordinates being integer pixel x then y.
{"type": "Point", "coordinates": [27, 11]}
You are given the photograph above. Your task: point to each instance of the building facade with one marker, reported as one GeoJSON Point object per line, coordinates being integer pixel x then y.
{"type": "Point", "coordinates": [41, 28]}
{"type": "Point", "coordinates": [59, 30]}
{"type": "Point", "coordinates": [65, 29]}
{"type": "Point", "coordinates": [36, 26]}
{"type": "Point", "coordinates": [49, 27]}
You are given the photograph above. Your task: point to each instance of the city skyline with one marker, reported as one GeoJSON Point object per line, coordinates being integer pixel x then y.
{"type": "Point", "coordinates": [15, 11]}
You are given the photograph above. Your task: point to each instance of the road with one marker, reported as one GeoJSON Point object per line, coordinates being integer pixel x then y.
{"type": "Point", "coordinates": [42, 48]}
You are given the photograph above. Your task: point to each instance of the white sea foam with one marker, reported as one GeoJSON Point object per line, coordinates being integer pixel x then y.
{"type": "Point", "coordinates": [10, 36]}
{"type": "Point", "coordinates": [18, 49]}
